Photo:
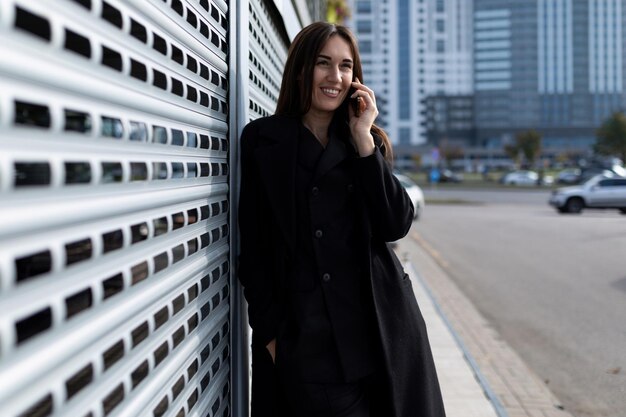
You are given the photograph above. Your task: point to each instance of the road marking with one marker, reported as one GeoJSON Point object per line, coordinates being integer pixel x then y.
{"type": "Point", "coordinates": [431, 251]}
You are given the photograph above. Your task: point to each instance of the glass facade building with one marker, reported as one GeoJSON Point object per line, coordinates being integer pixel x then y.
{"type": "Point", "coordinates": [413, 49]}
{"type": "Point", "coordinates": [551, 65]}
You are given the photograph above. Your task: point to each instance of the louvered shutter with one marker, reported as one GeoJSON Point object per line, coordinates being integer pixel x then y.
{"type": "Point", "coordinates": [114, 208]}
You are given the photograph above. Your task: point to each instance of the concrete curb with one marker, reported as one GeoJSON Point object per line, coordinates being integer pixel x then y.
{"type": "Point", "coordinates": [489, 393]}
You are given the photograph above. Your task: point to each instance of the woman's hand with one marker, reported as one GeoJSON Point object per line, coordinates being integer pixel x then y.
{"type": "Point", "coordinates": [361, 125]}
{"type": "Point", "coordinates": [271, 348]}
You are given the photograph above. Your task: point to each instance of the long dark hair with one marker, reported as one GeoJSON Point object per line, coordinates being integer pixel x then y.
{"type": "Point", "coordinates": [296, 87]}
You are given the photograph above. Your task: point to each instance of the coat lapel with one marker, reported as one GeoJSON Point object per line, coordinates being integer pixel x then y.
{"type": "Point", "coordinates": [277, 166]}
{"type": "Point", "coordinates": [335, 152]}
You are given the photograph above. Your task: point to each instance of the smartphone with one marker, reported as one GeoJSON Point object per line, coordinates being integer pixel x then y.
{"type": "Point", "coordinates": [356, 105]}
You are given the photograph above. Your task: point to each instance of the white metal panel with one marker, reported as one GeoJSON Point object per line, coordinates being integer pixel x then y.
{"type": "Point", "coordinates": [114, 208]}
{"type": "Point", "coordinates": [268, 46]}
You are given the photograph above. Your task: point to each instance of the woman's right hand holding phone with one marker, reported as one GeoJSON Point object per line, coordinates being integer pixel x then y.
{"type": "Point", "coordinates": [362, 119]}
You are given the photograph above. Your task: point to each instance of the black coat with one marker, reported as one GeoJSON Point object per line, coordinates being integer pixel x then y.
{"type": "Point", "coordinates": [267, 241]}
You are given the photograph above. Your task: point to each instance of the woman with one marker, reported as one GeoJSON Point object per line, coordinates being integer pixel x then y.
{"type": "Point", "coordinates": [336, 328]}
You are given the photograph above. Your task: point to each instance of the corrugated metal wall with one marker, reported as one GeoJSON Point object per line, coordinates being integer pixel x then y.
{"type": "Point", "coordinates": [114, 232]}
{"type": "Point", "coordinates": [118, 128]}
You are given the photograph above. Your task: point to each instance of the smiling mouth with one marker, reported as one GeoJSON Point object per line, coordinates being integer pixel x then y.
{"type": "Point", "coordinates": [332, 92]}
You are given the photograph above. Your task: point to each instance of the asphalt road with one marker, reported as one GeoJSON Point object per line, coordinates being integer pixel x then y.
{"type": "Point", "coordinates": [553, 285]}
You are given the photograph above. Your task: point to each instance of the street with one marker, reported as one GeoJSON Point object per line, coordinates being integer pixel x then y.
{"type": "Point", "coordinates": [553, 285]}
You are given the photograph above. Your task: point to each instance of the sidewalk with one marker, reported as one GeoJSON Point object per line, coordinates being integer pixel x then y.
{"type": "Point", "coordinates": [480, 375]}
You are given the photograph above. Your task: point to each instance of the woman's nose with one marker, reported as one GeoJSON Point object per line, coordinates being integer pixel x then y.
{"type": "Point", "coordinates": [334, 74]}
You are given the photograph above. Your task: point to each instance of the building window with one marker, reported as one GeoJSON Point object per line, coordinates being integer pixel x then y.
{"type": "Point", "coordinates": [365, 46]}
{"type": "Point", "coordinates": [363, 6]}
{"type": "Point", "coordinates": [404, 136]}
{"type": "Point", "coordinates": [441, 46]}
{"type": "Point", "coordinates": [364, 26]}
{"type": "Point", "coordinates": [441, 27]}
{"type": "Point", "coordinates": [441, 7]}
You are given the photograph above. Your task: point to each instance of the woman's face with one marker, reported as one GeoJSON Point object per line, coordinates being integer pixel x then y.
{"type": "Point", "coordinates": [332, 75]}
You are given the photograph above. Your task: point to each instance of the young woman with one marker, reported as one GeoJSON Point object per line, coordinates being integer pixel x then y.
{"type": "Point", "coordinates": [336, 328]}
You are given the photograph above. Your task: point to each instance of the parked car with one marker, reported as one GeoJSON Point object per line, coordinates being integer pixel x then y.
{"type": "Point", "coordinates": [525, 177]}
{"type": "Point", "coordinates": [447, 175]}
{"type": "Point", "coordinates": [568, 176]}
{"type": "Point", "coordinates": [520, 178]}
{"type": "Point", "coordinates": [415, 193]}
{"type": "Point", "coordinates": [598, 192]}
{"type": "Point", "coordinates": [613, 171]}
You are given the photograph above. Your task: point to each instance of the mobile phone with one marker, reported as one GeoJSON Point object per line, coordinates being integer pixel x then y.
{"type": "Point", "coordinates": [356, 105]}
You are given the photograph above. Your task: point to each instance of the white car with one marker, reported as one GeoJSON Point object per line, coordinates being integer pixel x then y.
{"type": "Point", "coordinates": [526, 178]}
{"type": "Point", "coordinates": [520, 178]}
{"type": "Point", "coordinates": [569, 176]}
{"type": "Point", "coordinates": [598, 192]}
{"type": "Point", "coordinates": [415, 193]}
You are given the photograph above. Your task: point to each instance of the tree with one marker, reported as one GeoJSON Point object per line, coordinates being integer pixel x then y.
{"type": "Point", "coordinates": [611, 137]}
{"type": "Point", "coordinates": [337, 11]}
{"type": "Point", "coordinates": [529, 144]}
{"type": "Point", "coordinates": [567, 157]}
{"type": "Point", "coordinates": [512, 152]}
{"type": "Point", "coordinates": [450, 153]}
{"type": "Point", "coordinates": [417, 160]}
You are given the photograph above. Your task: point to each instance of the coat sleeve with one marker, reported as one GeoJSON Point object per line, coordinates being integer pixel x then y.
{"type": "Point", "coordinates": [254, 244]}
{"type": "Point", "coordinates": [389, 206]}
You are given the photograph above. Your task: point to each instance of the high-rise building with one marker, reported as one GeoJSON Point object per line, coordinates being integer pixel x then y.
{"type": "Point", "coordinates": [412, 49]}
{"type": "Point", "coordinates": [556, 66]}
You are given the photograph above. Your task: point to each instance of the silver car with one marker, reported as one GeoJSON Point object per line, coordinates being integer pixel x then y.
{"type": "Point", "coordinates": [598, 192]}
{"type": "Point", "coordinates": [415, 193]}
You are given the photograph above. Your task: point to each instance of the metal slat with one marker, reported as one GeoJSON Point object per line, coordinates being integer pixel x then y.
{"type": "Point", "coordinates": [114, 208]}
{"type": "Point", "coordinates": [26, 213]}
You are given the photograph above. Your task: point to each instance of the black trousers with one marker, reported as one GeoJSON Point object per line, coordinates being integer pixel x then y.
{"type": "Point", "coordinates": [361, 398]}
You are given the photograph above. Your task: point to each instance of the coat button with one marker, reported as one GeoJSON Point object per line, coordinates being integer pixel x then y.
{"type": "Point", "coordinates": [319, 233]}
{"type": "Point", "coordinates": [315, 191]}
{"type": "Point", "coordinates": [326, 277]}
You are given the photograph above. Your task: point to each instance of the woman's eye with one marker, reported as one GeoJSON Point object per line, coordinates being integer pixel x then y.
{"type": "Point", "coordinates": [322, 62]}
